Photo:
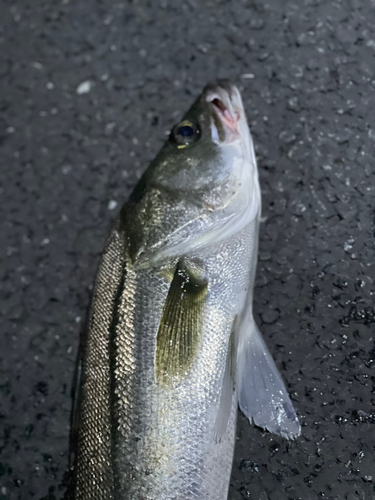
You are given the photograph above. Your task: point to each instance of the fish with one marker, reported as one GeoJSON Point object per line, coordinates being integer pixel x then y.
{"type": "Point", "coordinates": [171, 348]}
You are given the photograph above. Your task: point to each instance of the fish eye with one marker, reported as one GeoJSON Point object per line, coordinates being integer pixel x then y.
{"type": "Point", "coordinates": [185, 133]}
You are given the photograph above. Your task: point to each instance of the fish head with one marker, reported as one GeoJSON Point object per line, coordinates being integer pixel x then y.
{"type": "Point", "coordinates": [211, 147]}
{"type": "Point", "coordinates": [203, 185]}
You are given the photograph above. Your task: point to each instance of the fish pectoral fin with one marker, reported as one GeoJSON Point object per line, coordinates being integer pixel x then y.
{"type": "Point", "coordinates": [262, 395]}
{"type": "Point", "coordinates": [180, 326]}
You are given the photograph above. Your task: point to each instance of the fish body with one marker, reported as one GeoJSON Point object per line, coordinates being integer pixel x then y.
{"type": "Point", "coordinates": [171, 347]}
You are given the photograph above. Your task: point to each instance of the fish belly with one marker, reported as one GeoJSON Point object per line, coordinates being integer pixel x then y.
{"type": "Point", "coordinates": [138, 439]}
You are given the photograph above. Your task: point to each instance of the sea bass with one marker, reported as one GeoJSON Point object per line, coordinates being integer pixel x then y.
{"type": "Point", "coordinates": [172, 348]}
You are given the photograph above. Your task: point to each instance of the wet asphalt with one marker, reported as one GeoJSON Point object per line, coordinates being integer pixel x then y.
{"type": "Point", "coordinates": [88, 92]}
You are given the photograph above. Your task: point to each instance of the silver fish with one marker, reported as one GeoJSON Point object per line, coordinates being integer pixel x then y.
{"type": "Point", "coordinates": [171, 346]}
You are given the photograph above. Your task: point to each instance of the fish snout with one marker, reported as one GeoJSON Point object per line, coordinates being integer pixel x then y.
{"type": "Point", "coordinates": [226, 105]}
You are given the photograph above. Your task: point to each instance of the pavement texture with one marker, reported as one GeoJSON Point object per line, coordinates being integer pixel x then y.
{"type": "Point", "coordinates": [88, 92]}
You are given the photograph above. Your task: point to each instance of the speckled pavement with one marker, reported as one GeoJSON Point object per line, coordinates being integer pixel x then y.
{"type": "Point", "coordinates": [88, 93]}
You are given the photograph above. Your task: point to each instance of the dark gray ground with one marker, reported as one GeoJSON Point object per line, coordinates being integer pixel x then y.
{"type": "Point", "coordinates": [68, 158]}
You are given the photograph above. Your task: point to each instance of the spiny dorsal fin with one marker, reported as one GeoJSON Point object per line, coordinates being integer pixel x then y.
{"type": "Point", "coordinates": [179, 330]}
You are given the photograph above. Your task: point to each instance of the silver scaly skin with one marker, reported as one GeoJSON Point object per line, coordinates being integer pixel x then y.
{"type": "Point", "coordinates": [171, 347]}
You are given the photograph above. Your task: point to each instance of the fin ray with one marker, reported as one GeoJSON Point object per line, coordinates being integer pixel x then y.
{"type": "Point", "coordinates": [179, 329]}
{"type": "Point", "coordinates": [262, 395]}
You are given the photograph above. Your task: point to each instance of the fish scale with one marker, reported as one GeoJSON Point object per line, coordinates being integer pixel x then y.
{"type": "Point", "coordinates": [149, 424]}
{"type": "Point", "coordinates": [94, 434]}
{"type": "Point", "coordinates": [171, 347]}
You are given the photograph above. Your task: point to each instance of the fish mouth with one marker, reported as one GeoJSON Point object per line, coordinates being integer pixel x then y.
{"type": "Point", "coordinates": [226, 108]}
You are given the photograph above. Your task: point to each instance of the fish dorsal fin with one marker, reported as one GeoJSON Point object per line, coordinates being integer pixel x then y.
{"type": "Point", "coordinates": [180, 326]}
{"type": "Point", "coordinates": [262, 395]}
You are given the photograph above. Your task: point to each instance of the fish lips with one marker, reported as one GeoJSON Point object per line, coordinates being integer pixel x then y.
{"type": "Point", "coordinates": [226, 110]}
